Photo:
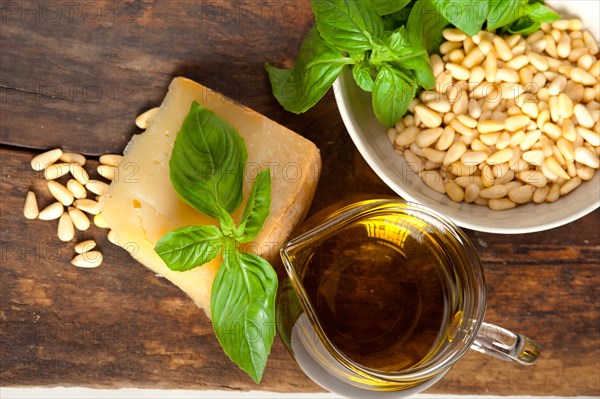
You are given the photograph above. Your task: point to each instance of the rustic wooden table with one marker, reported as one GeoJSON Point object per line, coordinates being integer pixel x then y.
{"type": "Point", "coordinates": [75, 75]}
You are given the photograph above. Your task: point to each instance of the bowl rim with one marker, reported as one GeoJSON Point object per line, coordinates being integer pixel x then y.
{"type": "Point", "coordinates": [378, 168]}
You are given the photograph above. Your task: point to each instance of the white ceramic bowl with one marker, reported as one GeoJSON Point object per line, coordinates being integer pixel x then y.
{"type": "Point", "coordinates": [370, 138]}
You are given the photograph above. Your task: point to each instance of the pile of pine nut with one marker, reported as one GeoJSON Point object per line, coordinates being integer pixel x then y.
{"type": "Point", "coordinates": [72, 205]}
{"type": "Point", "coordinates": [512, 119]}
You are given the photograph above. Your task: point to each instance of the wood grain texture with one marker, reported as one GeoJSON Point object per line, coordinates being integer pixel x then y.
{"type": "Point", "coordinates": [79, 80]}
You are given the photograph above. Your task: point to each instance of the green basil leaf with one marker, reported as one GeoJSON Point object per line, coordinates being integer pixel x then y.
{"type": "Point", "coordinates": [425, 25]}
{"type": "Point", "coordinates": [504, 12]}
{"type": "Point", "coordinates": [347, 24]}
{"type": "Point", "coordinates": [540, 13]}
{"type": "Point", "coordinates": [188, 247]}
{"type": "Point", "coordinates": [468, 16]}
{"type": "Point", "coordinates": [257, 208]}
{"type": "Point", "coordinates": [317, 67]}
{"type": "Point", "coordinates": [362, 76]}
{"type": "Point", "coordinates": [392, 93]}
{"type": "Point", "coordinates": [385, 7]}
{"type": "Point", "coordinates": [243, 309]}
{"type": "Point", "coordinates": [421, 68]}
{"type": "Point", "coordinates": [399, 42]}
{"type": "Point", "coordinates": [226, 222]}
{"type": "Point", "coordinates": [207, 163]}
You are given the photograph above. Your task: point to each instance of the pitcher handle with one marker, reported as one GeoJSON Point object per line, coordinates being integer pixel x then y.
{"type": "Point", "coordinates": [504, 344]}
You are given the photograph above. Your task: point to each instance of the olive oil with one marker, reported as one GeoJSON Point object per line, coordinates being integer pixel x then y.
{"type": "Point", "coordinates": [379, 289]}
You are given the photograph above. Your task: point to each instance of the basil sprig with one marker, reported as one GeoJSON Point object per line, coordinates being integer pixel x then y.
{"type": "Point", "coordinates": [387, 43]}
{"type": "Point", "coordinates": [207, 169]}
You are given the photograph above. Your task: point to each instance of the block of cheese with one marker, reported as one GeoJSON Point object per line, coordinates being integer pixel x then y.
{"type": "Point", "coordinates": [141, 204]}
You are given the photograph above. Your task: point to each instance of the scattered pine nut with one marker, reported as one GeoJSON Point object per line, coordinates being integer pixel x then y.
{"type": "Point", "coordinates": [60, 192]}
{"type": "Point", "coordinates": [97, 187]}
{"type": "Point", "coordinates": [108, 172]}
{"type": "Point", "coordinates": [30, 209]}
{"type": "Point", "coordinates": [79, 173]}
{"type": "Point", "coordinates": [85, 246]}
{"type": "Point", "coordinates": [80, 220]}
{"type": "Point", "coordinates": [142, 120]}
{"type": "Point", "coordinates": [100, 222]}
{"type": "Point", "coordinates": [52, 211]}
{"type": "Point", "coordinates": [87, 205]}
{"type": "Point", "coordinates": [111, 159]}
{"type": "Point", "coordinates": [88, 260]}
{"type": "Point", "coordinates": [71, 157]}
{"type": "Point", "coordinates": [43, 160]}
{"type": "Point", "coordinates": [76, 188]}
{"type": "Point", "coordinates": [66, 230]}
{"type": "Point", "coordinates": [57, 170]}
{"type": "Point", "coordinates": [112, 237]}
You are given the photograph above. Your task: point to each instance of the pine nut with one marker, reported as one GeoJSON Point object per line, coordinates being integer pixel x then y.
{"type": "Point", "coordinates": [557, 85]}
{"type": "Point", "coordinates": [79, 173]}
{"type": "Point", "coordinates": [566, 148]}
{"type": "Point", "coordinates": [437, 65]}
{"type": "Point", "coordinates": [51, 212]}
{"type": "Point", "coordinates": [471, 193]}
{"type": "Point", "coordinates": [80, 220]}
{"type": "Point", "coordinates": [60, 192]}
{"type": "Point", "coordinates": [553, 108]}
{"type": "Point", "coordinates": [473, 158]}
{"type": "Point", "coordinates": [517, 62]}
{"type": "Point", "coordinates": [467, 121]}
{"type": "Point", "coordinates": [502, 49]}
{"type": "Point", "coordinates": [461, 104]}
{"type": "Point", "coordinates": [530, 139]}
{"type": "Point", "coordinates": [507, 75]}
{"type": "Point", "coordinates": [540, 194]}
{"type": "Point", "coordinates": [460, 169]}
{"type": "Point", "coordinates": [407, 136]}
{"type": "Point", "coordinates": [489, 126]}
{"type": "Point", "coordinates": [565, 106]}
{"type": "Point", "coordinates": [439, 105]}
{"type": "Point", "coordinates": [570, 186]}
{"type": "Point", "coordinates": [111, 159]}
{"type": "Point", "coordinates": [539, 46]}
{"type": "Point", "coordinates": [474, 109]}
{"type": "Point", "coordinates": [583, 116]}
{"type": "Point", "coordinates": [414, 162]}
{"type": "Point", "coordinates": [586, 157]}
{"type": "Point", "coordinates": [87, 260]}
{"type": "Point", "coordinates": [553, 193]}
{"type": "Point", "coordinates": [515, 123]}
{"type": "Point", "coordinates": [521, 195]}
{"type": "Point", "coordinates": [455, 192]}
{"type": "Point", "coordinates": [561, 24]}
{"type": "Point", "coordinates": [534, 178]}
{"type": "Point", "coordinates": [100, 222]}
{"type": "Point", "coordinates": [56, 170]}
{"type": "Point", "coordinates": [87, 205]}
{"type": "Point", "coordinates": [501, 204]}
{"type": "Point", "coordinates": [76, 189]}
{"type": "Point", "coordinates": [500, 157]}
{"type": "Point", "coordinates": [552, 164]}
{"type": "Point", "coordinates": [553, 131]}
{"type": "Point", "coordinates": [563, 46]}
{"type": "Point", "coordinates": [550, 175]}
{"type": "Point", "coordinates": [458, 72]}
{"type": "Point", "coordinates": [30, 209]}
{"type": "Point", "coordinates": [434, 155]}
{"type": "Point", "coordinates": [112, 237]}
{"type": "Point", "coordinates": [491, 67]}
{"type": "Point", "coordinates": [591, 137]}
{"type": "Point", "coordinates": [568, 130]}
{"type": "Point", "coordinates": [85, 246]}
{"type": "Point", "coordinates": [513, 184]}
{"type": "Point", "coordinates": [71, 157]}
{"type": "Point", "coordinates": [446, 139]}
{"type": "Point", "coordinates": [538, 61]}
{"type": "Point", "coordinates": [462, 129]}
{"type": "Point", "coordinates": [97, 187]}
{"type": "Point", "coordinates": [590, 42]}
{"type": "Point", "coordinates": [594, 70]}
{"type": "Point", "coordinates": [534, 157]}
{"type": "Point", "coordinates": [66, 230]}
{"type": "Point", "coordinates": [531, 110]}
{"type": "Point", "coordinates": [473, 57]}
{"type": "Point", "coordinates": [478, 145]}
{"type": "Point", "coordinates": [434, 181]}
{"type": "Point", "coordinates": [585, 62]}
{"type": "Point", "coordinates": [428, 117]}
{"type": "Point", "coordinates": [583, 77]}
{"type": "Point", "coordinates": [429, 136]}
{"type": "Point", "coordinates": [585, 172]}
{"type": "Point", "coordinates": [503, 141]}
{"type": "Point", "coordinates": [142, 120]}
{"type": "Point", "coordinates": [43, 160]}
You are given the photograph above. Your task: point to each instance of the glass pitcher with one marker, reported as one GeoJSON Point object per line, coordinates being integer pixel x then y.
{"type": "Point", "coordinates": [383, 297]}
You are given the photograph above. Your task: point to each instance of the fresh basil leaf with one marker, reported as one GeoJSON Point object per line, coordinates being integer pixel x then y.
{"type": "Point", "coordinates": [362, 76]}
{"type": "Point", "coordinates": [349, 25]}
{"type": "Point", "coordinates": [524, 26]}
{"type": "Point", "coordinates": [468, 16]}
{"type": "Point", "coordinates": [504, 12]}
{"type": "Point", "coordinates": [188, 247]}
{"type": "Point", "coordinates": [385, 7]}
{"type": "Point", "coordinates": [207, 163]}
{"type": "Point", "coordinates": [317, 67]}
{"type": "Point", "coordinates": [392, 93]}
{"type": "Point", "coordinates": [399, 42]}
{"type": "Point", "coordinates": [421, 68]}
{"type": "Point", "coordinates": [540, 13]}
{"type": "Point", "coordinates": [257, 208]}
{"type": "Point", "coordinates": [226, 222]}
{"type": "Point", "coordinates": [243, 309]}
{"type": "Point", "coordinates": [425, 25]}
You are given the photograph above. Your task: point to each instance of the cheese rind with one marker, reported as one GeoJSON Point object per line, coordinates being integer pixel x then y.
{"type": "Point", "coordinates": [141, 204]}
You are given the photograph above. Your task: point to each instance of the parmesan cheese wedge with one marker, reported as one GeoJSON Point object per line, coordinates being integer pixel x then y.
{"type": "Point", "coordinates": [141, 205]}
